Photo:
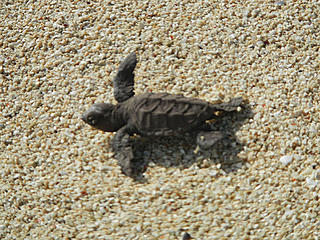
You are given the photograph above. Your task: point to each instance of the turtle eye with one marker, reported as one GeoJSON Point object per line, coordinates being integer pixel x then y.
{"type": "Point", "coordinates": [92, 120]}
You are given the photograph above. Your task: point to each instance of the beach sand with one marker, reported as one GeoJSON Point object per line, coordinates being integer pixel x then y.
{"type": "Point", "coordinates": [58, 176]}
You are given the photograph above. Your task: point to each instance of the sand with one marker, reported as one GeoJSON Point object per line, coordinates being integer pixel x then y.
{"type": "Point", "coordinates": [58, 176]}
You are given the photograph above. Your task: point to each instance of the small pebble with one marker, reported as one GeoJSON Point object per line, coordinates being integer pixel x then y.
{"type": "Point", "coordinates": [281, 3]}
{"type": "Point", "coordinates": [285, 160]}
{"type": "Point", "coordinates": [311, 182]}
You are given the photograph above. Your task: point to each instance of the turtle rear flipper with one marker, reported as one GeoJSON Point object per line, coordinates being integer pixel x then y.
{"type": "Point", "coordinates": [123, 82]}
{"type": "Point", "coordinates": [230, 106]}
{"type": "Point", "coordinates": [206, 140]}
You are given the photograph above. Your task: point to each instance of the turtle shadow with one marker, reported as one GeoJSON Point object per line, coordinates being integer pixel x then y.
{"type": "Point", "coordinates": [179, 151]}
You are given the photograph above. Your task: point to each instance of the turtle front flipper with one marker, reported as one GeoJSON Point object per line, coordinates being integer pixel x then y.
{"type": "Point", "coordinates": [123, 82]}
{"type": "Point", "coordinates": [123, 151]}
{"type": "Point", "coordinates": [125, 157]}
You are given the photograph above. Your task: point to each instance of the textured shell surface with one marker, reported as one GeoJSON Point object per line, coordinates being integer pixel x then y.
{"type": "Point", "coordinates": [165, 114]}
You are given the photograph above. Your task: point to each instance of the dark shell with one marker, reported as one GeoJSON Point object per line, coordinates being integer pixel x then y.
{"type": "Point", "coordinates": [164, 114]}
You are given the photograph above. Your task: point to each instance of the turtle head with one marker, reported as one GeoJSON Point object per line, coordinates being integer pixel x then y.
{"type": "Point", "coordinates": [101, 116]}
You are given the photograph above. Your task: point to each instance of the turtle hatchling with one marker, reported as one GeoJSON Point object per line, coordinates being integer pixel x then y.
{"type": "Point", "coordinates": [152, 114]}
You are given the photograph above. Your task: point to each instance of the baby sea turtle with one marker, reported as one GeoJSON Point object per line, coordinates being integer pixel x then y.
{"type": "Point", "coordinates": [152, 114]}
